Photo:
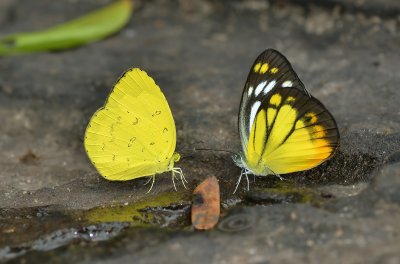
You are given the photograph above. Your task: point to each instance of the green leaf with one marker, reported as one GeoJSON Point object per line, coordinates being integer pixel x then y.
{"type": "Point", "coordinates": [88, 28]}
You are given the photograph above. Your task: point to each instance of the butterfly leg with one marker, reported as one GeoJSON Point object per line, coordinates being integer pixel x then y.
{"type": "Point", "coordinates": [247, 179]}
{"type": "Point", "coordinates": [173, 179]}
{"type": "Point", "coordinates": [182, 176]}
{"type": "Point", "coordinates": [238, 181]}
{"type": "Point", "coordinates": [150, 178]}
{"type": "Point", "coordinates": [153, 177]}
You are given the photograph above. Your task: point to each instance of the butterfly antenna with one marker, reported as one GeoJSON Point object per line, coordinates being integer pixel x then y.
{"type": "Point", "coordinates": [220, 150]}
{"type": "Point", "coordinates": [277, 175]}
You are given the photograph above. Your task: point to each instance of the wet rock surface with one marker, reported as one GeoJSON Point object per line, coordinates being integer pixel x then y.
{"type": "Point", "coordinates": [55, 208]}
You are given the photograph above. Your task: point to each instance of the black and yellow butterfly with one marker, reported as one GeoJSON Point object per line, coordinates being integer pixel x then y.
{"type": "Point", "coordinates": [282, 128]}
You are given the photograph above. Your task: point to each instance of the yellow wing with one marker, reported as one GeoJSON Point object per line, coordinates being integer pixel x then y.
{"type": "Point", "coordinates": [133, 134]}
{"type": "Point", "coordinates": [291, 132]}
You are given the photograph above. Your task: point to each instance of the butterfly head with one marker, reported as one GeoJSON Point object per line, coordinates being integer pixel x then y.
{"type": "Point", "coordinates": [175, 158]}
{"type": "Point", "coordinates": [241, 161]}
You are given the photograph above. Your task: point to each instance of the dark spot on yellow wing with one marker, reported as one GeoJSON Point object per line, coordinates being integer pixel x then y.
{"type": "Point", "coordinates": [135, 121]}
{"type": "Point", "coordinates": [133, 139]}
{"type": "Point", "coordinates": [152, 143]}
{"type": "Point", "coordinates": [165, 130]}
{"type": "Point", "coordinates": [113, 158]}
{"type": "Point", "coordinates": [103, 146]}
{"type": "Point", "coordinates": [158, 112]}
{"type": "Point", "coordinates": [119, 119]}
{"type": "Point", "coordinates": [142, 149]}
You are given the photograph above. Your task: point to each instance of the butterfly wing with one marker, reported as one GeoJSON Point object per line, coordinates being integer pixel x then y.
{"type": "Point", "coordinates": [291, 132]}
{"type": "Point", "coordinates": [133, 134]}
{"type": "Point", "coordinates": [270, 71]}
{"type": "Point", "coordinates": [282, 127]}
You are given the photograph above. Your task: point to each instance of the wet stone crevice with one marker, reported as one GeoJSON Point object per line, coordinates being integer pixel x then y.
{"type": "Point", "coordinates": [54, 206]}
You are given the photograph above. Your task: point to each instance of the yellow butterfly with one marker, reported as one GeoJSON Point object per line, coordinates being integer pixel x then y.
{"type": "Point", "coordinates": [282, 128]}
{"type": "Point", "coordinates": [133, 135]}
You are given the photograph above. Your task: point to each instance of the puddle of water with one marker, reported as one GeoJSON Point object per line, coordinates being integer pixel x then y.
{"type": "Point", "coordinates": [344, 190]}
{"type": "Point", "coordinates": [285, 192]}
{"type": "Point", "coordinates": [45, 228]}
{"type": "Point", "coordinates": [63, 237]}
{"type": "Point", "coordinates": [145, 211]}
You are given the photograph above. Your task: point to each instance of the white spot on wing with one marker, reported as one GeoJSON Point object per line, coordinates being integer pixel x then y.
{"type": "Point", "coordinates": [250, 91]}
{"type": "Point", "coordinates": [253, 112]}
{"type": "Point", "coordinates": [287, 84]}
{"type": "Point", "coordinates": [260, 87]}
{"type": "Point", "coordinates": [269, 86]}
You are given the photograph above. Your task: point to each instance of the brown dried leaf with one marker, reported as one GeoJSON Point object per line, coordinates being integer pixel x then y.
{"type": "Point", "coordinates": [206, 204]}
